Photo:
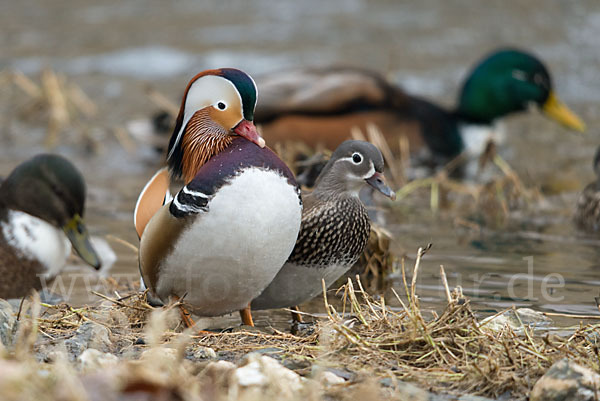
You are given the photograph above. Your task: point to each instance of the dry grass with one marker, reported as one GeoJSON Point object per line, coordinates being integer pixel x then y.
{"type": "Point", "coordinates": [377, 261]}
{"type": "Point", "coordinates": [53, 100]}
{"type": "Point", "coordinates": [452, 351]}
{"type": "Point", "coordinates": [449, 352]}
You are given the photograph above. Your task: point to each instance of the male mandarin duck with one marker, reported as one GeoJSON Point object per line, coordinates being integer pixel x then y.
{"type": "Point", "coordinates": [322, 105]}
{"type": "Point", "coordinates": [41, 217]}
{"type": "Point", "coordinates": [224, 236]}
{"type": "Point", "coordinates": [587, 209]}
{"type": "Point", "coordinates": [335, 227]}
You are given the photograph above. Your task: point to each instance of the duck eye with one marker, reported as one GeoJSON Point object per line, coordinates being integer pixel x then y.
{"type": "Point", "coordinates": [539, 80]}
{"type": "Point", "coordinates": [221, 106]}
{"type": "Point", "coordinates": [356, 158]}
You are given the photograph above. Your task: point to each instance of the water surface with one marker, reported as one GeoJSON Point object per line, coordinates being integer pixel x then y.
{"type": "Point", "coordinates": [115, 50]}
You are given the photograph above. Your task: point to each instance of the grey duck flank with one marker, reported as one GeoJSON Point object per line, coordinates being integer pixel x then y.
{"type": "Point", "coordinates": [335, 227]}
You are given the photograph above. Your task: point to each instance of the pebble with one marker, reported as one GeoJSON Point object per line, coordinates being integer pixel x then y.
{"type": "Point", "coordinates": [259, 373]}
{"type": "Point", "coordinates": [200, 354]}
{"type": "Point", "coordinates": [162, 355]}
{"type": "Point", "coordinates": [329, 379]}
{"type": "Point", "coordinates": [8, 324]}
{"type": "Point", "coordinates": [88, 335]}
{"type": "Point", "coordinates": [218, 368]}
{"type": "Point", "coordinates": [566, 381]}
{"type": "Point", "coordinates": [92, 360]}
{"type": "Point", "coordinates": [516, 319]}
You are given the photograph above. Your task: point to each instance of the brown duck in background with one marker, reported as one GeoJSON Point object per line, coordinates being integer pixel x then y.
{"type": "Point", "coordinates": [321, 105]}
{"type": "Point", "coordinates": [41, 217]}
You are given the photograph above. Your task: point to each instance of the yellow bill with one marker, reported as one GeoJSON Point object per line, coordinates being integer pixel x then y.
{"type": "Point", "coordinates": [77, 233]}
{"type": "Point", "coordinates": [559, 111]}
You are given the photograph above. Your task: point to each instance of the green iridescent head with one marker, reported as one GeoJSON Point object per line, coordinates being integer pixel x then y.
{"type": "Point", "coordinates": [509, 81]}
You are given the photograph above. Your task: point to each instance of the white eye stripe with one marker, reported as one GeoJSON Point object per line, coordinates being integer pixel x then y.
{"type": "Point", "coordinates": [351, 158]}
{"type": "Point", "coordinates": [201, 94]}
{"type": "Point", "coordinates": [369, 174]}
{"type": "Point", "coordinates": [371, 171]}
{"type": "Point", "coordinates": [348, 159]}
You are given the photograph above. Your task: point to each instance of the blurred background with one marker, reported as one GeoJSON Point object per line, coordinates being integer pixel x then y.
{"type": "Point", "coordinates": [111, 56]}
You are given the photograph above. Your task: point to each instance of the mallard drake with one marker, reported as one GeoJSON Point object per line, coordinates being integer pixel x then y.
{"type": "Point", "coordinates": [321, 105]}
{"type": "Point", "coordinates": [587, 209]}
{"type": "Point", "coordinates": [226, 233]}
{"type": "Point", "coordinates": [335, 227]}
{"type": "Point", "coordinates": [41, 217]}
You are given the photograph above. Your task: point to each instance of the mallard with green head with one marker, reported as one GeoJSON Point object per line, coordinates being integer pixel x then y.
{"type": "Point", "coordinates": [587, 209]}
{"type": "Point", "coordinates": [41, 217]}
{"type": "Point", "coordinates": [321, 105]}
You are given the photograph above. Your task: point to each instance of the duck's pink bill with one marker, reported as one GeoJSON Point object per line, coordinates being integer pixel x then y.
{"type": "Point", "coordinates": [248, 130]}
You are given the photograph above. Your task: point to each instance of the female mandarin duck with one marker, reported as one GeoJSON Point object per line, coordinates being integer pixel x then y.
{"type": "Point", "coordinates": [587, 209]}
{"type": "Point", "coordinates": [41, 217]}
{"type": "Point", "coordinates": [321, 105]}
{"type": "Point", "coordinates": [224, 236]}
{"type": "Point", "coordinates": [335, 227]}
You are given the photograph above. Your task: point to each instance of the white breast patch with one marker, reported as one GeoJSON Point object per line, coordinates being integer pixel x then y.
{"type": "Point", "coordinates": [37, 240]}
{"type": "Point", "coordinates": [476, 137]}
{"type": "Point", "coordinates": [232, 252]}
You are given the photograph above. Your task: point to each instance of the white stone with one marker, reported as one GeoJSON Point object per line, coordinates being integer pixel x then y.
{"type": "Point", "coordinates": [329, 379]}
{"type": "Point", "coordinates": [263, 371]}
{"type": "Point", "coordinates": [514, 318]}
{"type": "Point", "coordinates": [92, 360]}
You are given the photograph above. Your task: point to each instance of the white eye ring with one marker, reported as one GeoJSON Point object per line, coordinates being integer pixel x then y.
{"type": "Point", "coordinates": [356, 158]}
{"type": "Point", "coordinates": [221, 105]}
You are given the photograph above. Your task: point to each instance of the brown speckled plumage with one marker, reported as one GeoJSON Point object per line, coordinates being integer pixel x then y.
{"type": "Point", "coordinates": [335, 227]}
{"type": "Point", "coordinates": [587, 209]}
{"type": "Point", "coordinates": [332, 232]}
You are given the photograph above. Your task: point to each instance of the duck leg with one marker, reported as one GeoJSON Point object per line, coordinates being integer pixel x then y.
{"type": "Point", "coordinates": [296, 316]}
{"type": "Point", "coordinates": [186, 317]}
{"type": "Point", "coordinates": [246, 315]}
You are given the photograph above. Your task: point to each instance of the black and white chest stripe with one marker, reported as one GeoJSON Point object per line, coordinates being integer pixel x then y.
{"type": "Point", "coordinates": [222, 169]}
{"type": "Point", "coordinates": [193, 198]}
{"type": "Point", "coordinates": [189, 201]}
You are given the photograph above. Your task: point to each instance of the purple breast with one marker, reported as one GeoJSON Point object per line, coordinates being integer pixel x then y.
{"type": "Point", "coordinates": [239, 155]}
